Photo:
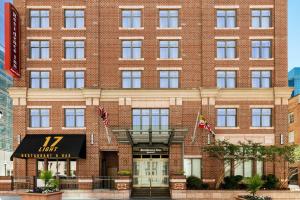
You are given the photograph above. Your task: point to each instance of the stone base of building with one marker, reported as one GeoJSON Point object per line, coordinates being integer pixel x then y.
{"type": "Point", "coordinates": [6, 183]}
{"type": "Point", "coordinates": [97, 194]}
{"type": "Point", "coordinates": [39, 196]}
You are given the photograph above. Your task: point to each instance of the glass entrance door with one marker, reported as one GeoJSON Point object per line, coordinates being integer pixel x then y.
{"type": "Point", "coordinates": [150, 172]}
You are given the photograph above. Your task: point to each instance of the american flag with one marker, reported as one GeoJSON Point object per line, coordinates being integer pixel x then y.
{"type": "Point", "coordinates": [202, 123]}
{"type": "Point", "coordinates": [104, 116]}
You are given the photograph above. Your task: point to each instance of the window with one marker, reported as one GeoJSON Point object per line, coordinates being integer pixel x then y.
{"type": "Point", "coordinates": [131, 18]}
{"type": "Point", "coordinates": [169, 49]}
{"type": "Point", "coordinates": [291, 118]}
{"type": "Point", "coordinates": [39, 50]}
{"type": "Point", "coordinates": [226, 117]}
{"type": "Point", "coordinates": [132, 49]}
{"type": "Point", "coordinates": [261, 117]}
{"type": "Point", "coordinates": [74, 49]}
{"type": "Point", "coordinates": [226, 18]}
{"type": "Point", "coordinates": [131, 79]}
{"type": "Point", "coordinates": [291, 137]}
{"type": "Point", "coordinates": [39, 79]}
{"type": "Point", "coordinates": [261, 49]}
{"type": "Point", "coordinates": [226, 49]}
{"type": "Point", "coordinates": [74, 18]}
{"type": "Point", "coordinates": [243, 168]}
{"type": "Point", "coordinates": [74, 117]}
{"type": "Point", "coordinates": [154, 119]}
{"type": "Point", "coordinates": [61, 168]}
{"type": "Point", "coordinates": [39, 18]}
{"type": "Point", "coordinates": [169, 79]}
{"type": "Point", "coordinates": [261, 18]}
{"type": "Point", "coordinates": [74, 79]}
{"type": "Point", "coordinates": [226, 79]}
{"type": "Point", "coordinates": [39, 118]}
{"type": "Point", "coordinates": [259, 167]}
{"type": "Point", "coordinates": [192, 167]}
{"type": "Point", "coordinates": [261, 79]}
{"type": "Point", "coordinates": [168, 18]}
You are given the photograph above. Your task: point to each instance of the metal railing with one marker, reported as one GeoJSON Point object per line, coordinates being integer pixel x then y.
{"type": "Point", "coordinates": [25, 182]}
{"type": "Point", "coordinates": [68, 183]}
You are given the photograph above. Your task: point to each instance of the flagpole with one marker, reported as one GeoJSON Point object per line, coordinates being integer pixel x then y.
{"type": "Point", "coordinates": [107, 135]}
{"type": "Point", "coordinates": [195, 128]}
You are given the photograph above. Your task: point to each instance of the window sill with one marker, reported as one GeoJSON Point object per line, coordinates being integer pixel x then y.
{"type": "Point", "coordinates": [261, 59]}
{"type": "Point", "coordinates": [30, 59]}
{"type": "Point", "coordinates": [39, 128]}
{"type": "Point", "coordinates": [39, 29]}
{"type": "Point", "coordinates": [177, 28]}
{"type": "Point", "coordinates": [73, 128]}
{"type": "Point", "coordinates": [168, 58]}
{"type": "Point", "coordinates": [263, 128]}
{"type": "Point", "coordinates": [129, 29]}
{"type": "Point", "coordinates": [73, 29]}
{"type": "Point", "coordinates": [126, 59]}
{"type": "Point", "coordinates": [64, 59]}
{"type": "Point", "coordinates": [227, 128]}
{"type": "Point", "coordinates": [261, 28]}
{"type": "Point", "coordinates": [227, 59]}
{"type": "Point", "coordinates": [235, 28]}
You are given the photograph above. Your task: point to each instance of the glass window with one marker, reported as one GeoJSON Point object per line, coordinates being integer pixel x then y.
{"type": "Point", "coordinates": [131, 18]}
{"type": "Point", "coordinates": [39, 118]}
{"type": "Point", "coordinates": [74, 117]}
{"type": "Point", "coordinates": [291, 137]}
{"type": "Point", "coordinates": [169, 79]}
{"type": "Point", "coordinates": [261, 49]}
{"type": "Point", "coordinates": [74, 79]}
{"type": "Point", "coordinates": [39, 49]}
{"type": "Point", "coordinates": [168, 18]}
{"type": "Point", "coordinates": [74, 49]}
{"type": "Point", "coordinates": [226, 18]}
{"type": "Point", "coordinates": [261, 79]}
{"type": "Point", "coordinates": [261, 18]}
{"type": "Point", "coordinates": [73, 168]}
{"type": "Point", "coordinates": [291, 118]}
{"type": "Point", "coordinates": [192, 167]}
{"type": "Point", "coordinates": [259, 167]}
{"type": "Point", "coordinates": [226, 117]}
{"type": "Point", "coordinates": [58, 167]}
{"type": "Point", "coordinates": [39, 79]}
{"type": "Point", "coordinates": [39, 18]}
{"type": "Point", "coordinates": [243, 168]}
{"type": "Point", "coordinates": [74, 18]}
{"type": "Point", "coordinates": [226, 79]}
{"type": "Point", "coordinates": [156, 119]}
{"type": "Point", "coordinates": [261, 117]}
{"type": "Point", "coordinates": [131, 79]}
{"type": "Point", "coordinates": [226, 49]}
{"type": "Point", "coordinates": [131, 49]}
{"type": "Point", "coordinates": [169, 49]}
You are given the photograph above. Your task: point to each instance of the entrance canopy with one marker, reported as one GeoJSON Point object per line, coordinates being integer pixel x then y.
{"type": "Point", "coordinates": [55, 146]}
{"type": "Point", "coordinates": [166, 136]}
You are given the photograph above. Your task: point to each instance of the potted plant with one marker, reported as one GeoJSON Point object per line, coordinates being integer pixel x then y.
{"type": "Point", "coordinates": [50, 189]}
{"type": "Point", "coordinates": [178, 174]}
{"type": "Point", "coordinates": [124, 173]}
{"type": "Point", "coordinates": [253, 184]}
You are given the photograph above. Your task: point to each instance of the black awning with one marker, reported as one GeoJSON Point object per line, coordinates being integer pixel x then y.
{"type": "Point", "coordinates": [56, 146]}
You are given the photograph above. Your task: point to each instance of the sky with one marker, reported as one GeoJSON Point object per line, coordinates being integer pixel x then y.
{"type": "Point", "coordinates": [294, 34]}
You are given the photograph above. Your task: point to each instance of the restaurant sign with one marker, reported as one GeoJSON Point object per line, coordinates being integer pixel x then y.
{"type": "Point", "coordinates": [12, 41]}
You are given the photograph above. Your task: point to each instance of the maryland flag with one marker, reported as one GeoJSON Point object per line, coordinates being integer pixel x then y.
{"type": "Point", "coordinates": [202, 123]}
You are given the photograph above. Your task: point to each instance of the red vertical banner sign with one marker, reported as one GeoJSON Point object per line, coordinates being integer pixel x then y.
{"type": "Point", "coordinates": [12, 41]}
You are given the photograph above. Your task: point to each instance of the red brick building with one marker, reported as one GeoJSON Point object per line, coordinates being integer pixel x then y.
{"type": "Point", "coordinates": [153, 66]}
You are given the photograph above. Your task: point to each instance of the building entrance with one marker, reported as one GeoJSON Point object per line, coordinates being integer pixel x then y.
{"type": "Point", "coordinates": [150, 171]}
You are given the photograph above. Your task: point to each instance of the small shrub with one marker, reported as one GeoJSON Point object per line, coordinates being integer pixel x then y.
{"type": "Point", "coordinates": [124, 173]}
{"type": "Point", "coordinates": [233, 182]}
{"type": "Point", "coordinates": [195, 183]}
{"type": "Point", "coordinates": [270, 182]}
{"type": "Point", "coordinates": [253, 184]}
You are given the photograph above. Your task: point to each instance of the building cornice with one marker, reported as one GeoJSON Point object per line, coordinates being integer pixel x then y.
{"type": "Point", "coordinates": [208, 96]}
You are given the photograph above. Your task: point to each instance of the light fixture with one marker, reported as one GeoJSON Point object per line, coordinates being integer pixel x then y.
{"type": "Point", "coordinates": [208, 139]}
{"type": "Point", "coordinates": [92, 138]}
{"type": "Point", "coordinates": [281, 139]}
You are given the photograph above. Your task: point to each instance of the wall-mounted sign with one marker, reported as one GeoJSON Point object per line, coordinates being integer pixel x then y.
{"type": "Point", "coordinates": [52, 146]}
{"type": "Point", "coordinates": [150, 150]}
{"type": "Point", "coordinates": [12, 41]}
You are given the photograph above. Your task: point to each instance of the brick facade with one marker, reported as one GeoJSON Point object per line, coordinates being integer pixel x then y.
{"type": "Point", "coordinates": [197, 91]}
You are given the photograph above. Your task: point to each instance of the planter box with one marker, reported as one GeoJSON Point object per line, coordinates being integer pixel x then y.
{"type": "Point", "coordinates": [40, 196]}
{"type": "Point", "coordinates": [123, 183]}
{"type": "Point", "coordinates": [178, 182]}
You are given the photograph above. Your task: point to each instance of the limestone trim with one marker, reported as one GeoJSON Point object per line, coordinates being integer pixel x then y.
{"type": "Point", "coordinates": [132, 38]}
{"type": "Point", "coordinates": [261, 68]}
{"type": "Point", "coordinates": [169, 38]}
{"type": "Point", "coordinates": [21, 95]}
{"type": "Point", "coordinates": [261, 37]}
{"type": "Point", "coordinates": [192, 156]}
{"type": "Point", "coordinates": [73, 7]}
{"type": "Point", "coordinates": [227, 37]}
{"type": "Point", "coordinates": [38, 7]}
{"type": "Point", "coordinates": [227, 68]}
{"type": "Point", "coordinates": [227, 6]}
{"type": "Point", "coordinates": [177, 180]}
{"type": "Point", "coordinates": [230, 128]}
{"type": "Point", "coordinates": [73, 38]}
{"type": "Point", "coordinates": [39, 69]}
{"type": "Point", "coordinates": [131, 7]}
{"type": "Point", "coordinates": [38, 128]}
{"type": "Point", "coordinates": [169, 7]}
{"type": "Point", "coordinates": [39, 38]}
{"type": "Point", "coordinates": [73, 68]}
{"type": "Point", "coordinates": [73, 106]}
{"type": "Point", "coordinates": [227, 106]}
{"type": "Point", "coordinates": [261, 106]}
{"type": "Point", "coordinates": [169, 68]}
{"type": "Point", "coordinates": [261, 6]}
{"type": "Point", "coordinates": [262, 128]}
{"type": "Point", "coordinates": [131, 68]}
{"type": "Point", "coordinates": [73, 128]}
{"type": "Point", "coordinates": [39, 107]}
